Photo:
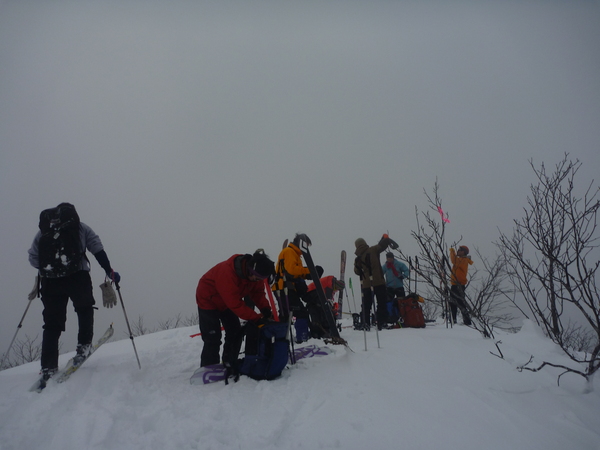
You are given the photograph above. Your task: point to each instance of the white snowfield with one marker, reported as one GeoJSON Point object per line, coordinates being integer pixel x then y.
{"type": "Point", "coordinates": [433, 388]}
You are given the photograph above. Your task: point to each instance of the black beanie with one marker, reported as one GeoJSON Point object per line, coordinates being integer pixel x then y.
{"type": "Point", "coordinates": [261, 264]}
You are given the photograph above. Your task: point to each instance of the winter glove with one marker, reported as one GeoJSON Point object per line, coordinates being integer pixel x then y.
{"type": "Point", "coordinates": [386, 241]}
{"type": "Point", "coordinates": [114, 276]}
{"type": "Point", "coordinates": [266, 312]}
{"type": "Point", "coordinates": [109, 298]}
{"type": "Point", "coordinates": [319, 271]}
{"type": "Point", "coordinates": [35, 292]}
{"type": "Point", "coordinates": [261, 322]}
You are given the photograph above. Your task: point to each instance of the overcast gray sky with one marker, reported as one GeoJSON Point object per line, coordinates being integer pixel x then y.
{"type": "Point", "coordinates": [187, 131]}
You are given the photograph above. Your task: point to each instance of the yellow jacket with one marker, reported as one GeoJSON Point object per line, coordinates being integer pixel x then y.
{"type": "Point", "coordinates": [289, 258]}
{"type": "Point", "coordinates": [460, 266]}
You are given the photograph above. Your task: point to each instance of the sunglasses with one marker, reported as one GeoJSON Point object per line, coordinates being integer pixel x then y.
{"type": "Point", "coordinates": [257, 275]}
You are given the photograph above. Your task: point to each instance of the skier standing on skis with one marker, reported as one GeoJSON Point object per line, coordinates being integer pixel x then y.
{"type": "Point", "coordinates": [367, 266]}
{"type": "Point", "coordinates": [220, 299]}
{"type": "Point", "coordinates": [460, 265]}
{"type": "Point", "coordinates": [291, 274]}
{"type": "Point", "coordinates": [58, 252]}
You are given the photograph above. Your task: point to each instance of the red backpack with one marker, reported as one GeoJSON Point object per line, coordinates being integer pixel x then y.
{"type": "Point", "coordinates": [411, 311]}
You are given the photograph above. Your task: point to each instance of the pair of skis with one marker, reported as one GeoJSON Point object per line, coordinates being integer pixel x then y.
{"type": "Point", "coordinates": [334, 334]}
{"type": "Point", "coordinates": [63, 375]}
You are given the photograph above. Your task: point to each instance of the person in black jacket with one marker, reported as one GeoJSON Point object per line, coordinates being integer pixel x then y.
{"type": "Point", "coordinates": [58, 252]}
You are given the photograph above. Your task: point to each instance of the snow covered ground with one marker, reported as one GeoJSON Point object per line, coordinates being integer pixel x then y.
{"type": "Point", "coordinates": [423, 389]}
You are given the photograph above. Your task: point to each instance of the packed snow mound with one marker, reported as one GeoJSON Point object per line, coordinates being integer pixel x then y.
{"type": "Point", "coordinates": [426, 388]}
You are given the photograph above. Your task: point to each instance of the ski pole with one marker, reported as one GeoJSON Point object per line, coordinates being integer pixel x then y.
{"type": "Point", "coordinates": [416, 271]}
{"type": "Point", "coordinates": [271, 300]}
{"type": "Point", "coordinates": [15, 336]}
{"type": "Point", "coordinates": [411, 268]}
{"type": "Point", "coordinates": [352, 289]}
{"type": "Point", "coordinates": [288, 333]}
{"type": "Point", "coordinates": [377, 324]}
{"type": "Point", "coordinates": [348, 300]}
{"type": "Point", "coordinates": [363, 312]}
{"type": "Point", "coordinates": [127, 322]}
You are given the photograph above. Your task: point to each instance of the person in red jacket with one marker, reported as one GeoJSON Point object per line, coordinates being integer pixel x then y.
{"type": "Point", "coordinates": [220, 298]}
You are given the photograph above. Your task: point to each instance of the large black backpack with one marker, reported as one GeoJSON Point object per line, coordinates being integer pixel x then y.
{"type": "Point", "coordinates": [59, 248]}
{"type": "Point", "coordinates": [272, 353]}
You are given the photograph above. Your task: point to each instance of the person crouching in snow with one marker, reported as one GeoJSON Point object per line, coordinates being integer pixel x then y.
{"type": "Point", "coordinates": [220, 299]}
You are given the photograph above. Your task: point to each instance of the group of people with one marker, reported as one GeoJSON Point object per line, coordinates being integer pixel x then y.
{"type": "Point", "coordinates": [231, 290]}
{"type": "Point", "coordinates": [234, 289]}
{"type": "Point", "coordinates": [386, 283]}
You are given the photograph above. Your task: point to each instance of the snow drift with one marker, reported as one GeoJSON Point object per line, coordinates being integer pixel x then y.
{"type": "Point", "coordinates": [423, 389]}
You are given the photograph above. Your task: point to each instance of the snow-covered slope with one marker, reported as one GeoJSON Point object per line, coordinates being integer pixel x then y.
{"type": "Point", "coordinates": [423, 389]}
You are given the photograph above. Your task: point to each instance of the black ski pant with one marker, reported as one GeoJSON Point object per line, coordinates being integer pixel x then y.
{"type": "Point", "coordinates": [381, 296]}
{"type": "Point", "coordinates": [394, 293]}
{"type": "Point", "coordinates": [318, 322]}
{"type": "Point", "coordinates": [303, 305]}
{"type": "Point", "coordinates": [55, 294]}
{"type": "Point", "coordinates": [294, 303]}
{"type": "Point", "coordinates": [210, 321]}
{"type": "Point", "coordinates": [457, 301]}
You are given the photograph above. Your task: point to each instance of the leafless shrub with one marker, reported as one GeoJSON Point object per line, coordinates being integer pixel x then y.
{"type": "Point", "coordinates": [23, 351]}
{"type": "Point", "coordinates": [552, 262]}
{"type": "Point", "coordinates": [433, 267]}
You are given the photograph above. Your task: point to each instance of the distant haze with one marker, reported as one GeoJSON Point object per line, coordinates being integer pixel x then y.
{"type": "Point", "coordinates": [185, 132]}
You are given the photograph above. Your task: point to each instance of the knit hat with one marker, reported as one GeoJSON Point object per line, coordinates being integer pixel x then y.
{"type": "Point", "coordinates": [339, 284]}
{"type": "Point", "coordinates": [389, 255]}
{"type": "Point", "coordinates": [464, 248]}
{"type": "Point", "coordinates": [260, 265]}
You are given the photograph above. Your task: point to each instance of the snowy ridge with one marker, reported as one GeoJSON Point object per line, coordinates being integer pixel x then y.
{"type": "Point", "coordinates": [425, 388]}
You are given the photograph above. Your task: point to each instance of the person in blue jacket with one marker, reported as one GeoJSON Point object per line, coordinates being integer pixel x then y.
{"type": "Point", "coordinates": [395, 272]}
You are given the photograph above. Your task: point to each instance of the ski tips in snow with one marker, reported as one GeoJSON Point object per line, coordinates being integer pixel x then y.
{"type": "Point", "coordinates": [70, 368]}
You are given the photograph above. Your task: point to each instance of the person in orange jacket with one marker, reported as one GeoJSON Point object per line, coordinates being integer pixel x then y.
{"type": "Point", "coordinates": [291, 274]}
{"type": "Point", "coordinates": [460, 265]}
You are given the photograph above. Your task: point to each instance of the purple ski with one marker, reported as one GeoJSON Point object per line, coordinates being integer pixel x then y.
{"type": "Point", "coordinates": [217, 372]}
{"type": "Point", "coordinates": [311, 350]}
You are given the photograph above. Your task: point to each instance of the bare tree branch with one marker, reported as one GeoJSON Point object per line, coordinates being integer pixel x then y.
{"type": "Point", "coordinates": [550, 262]}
